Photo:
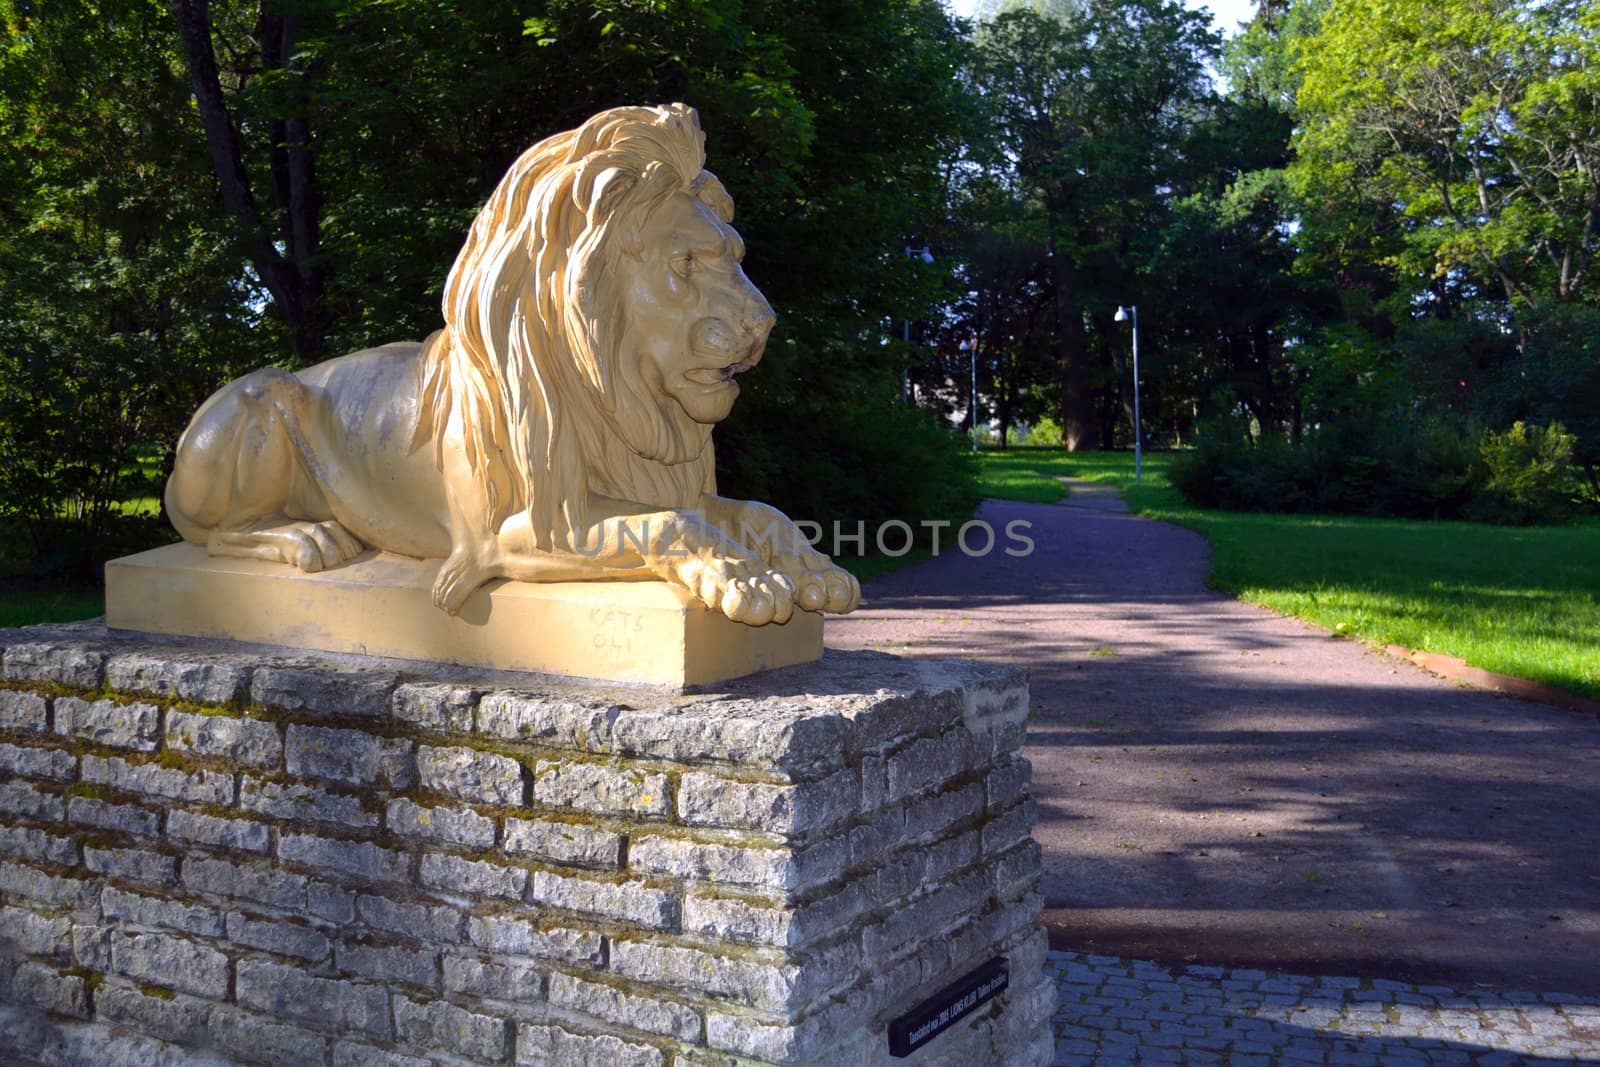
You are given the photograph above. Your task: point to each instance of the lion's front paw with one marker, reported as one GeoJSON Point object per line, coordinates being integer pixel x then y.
{"type": "Point", "coordinates": [458, 578]}
{"type": "Point", "coordinates": [743, 590]}
{"type": "Point", "coordinates": [819, 583]}
{"type": "Point", "coordinates": [841, 591]}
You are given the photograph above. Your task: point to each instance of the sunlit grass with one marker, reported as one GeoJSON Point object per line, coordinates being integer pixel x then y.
{"type": "Point", "coordinates": [1031, 474]}
{"type": "Point", "coordinates": [141, 505]}
{"type": "Point", "coordinates": [1523, 601]}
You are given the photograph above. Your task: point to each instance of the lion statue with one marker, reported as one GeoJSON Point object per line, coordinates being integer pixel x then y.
{"type": "Point", "coordinates": [558, 428]}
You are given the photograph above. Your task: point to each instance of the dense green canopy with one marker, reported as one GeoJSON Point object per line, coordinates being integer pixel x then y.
{"type": "Point", "coordinates": [193, 189]}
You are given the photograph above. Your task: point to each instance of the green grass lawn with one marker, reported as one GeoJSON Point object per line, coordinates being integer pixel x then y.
{"type": "Point", "coordinates": [24, 602]}
{"type": "Point", "coordinates": [1031, 474]}
{"type": "Point", "coordinates": [1523, 601]}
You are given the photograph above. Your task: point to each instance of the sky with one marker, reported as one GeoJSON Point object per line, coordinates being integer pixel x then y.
{"type": "Point", "coordinates": [1225, 14]}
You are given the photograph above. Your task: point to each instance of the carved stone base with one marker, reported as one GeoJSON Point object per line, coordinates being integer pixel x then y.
{"type": "Point", "coordinates": [380, 605]}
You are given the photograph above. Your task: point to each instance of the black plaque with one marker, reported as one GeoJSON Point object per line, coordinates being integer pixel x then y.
{"type": "Point", "coordinates": [944, 1009]}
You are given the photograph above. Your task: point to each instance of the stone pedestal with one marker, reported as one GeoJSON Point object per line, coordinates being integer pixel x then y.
{"type": "Point", "coordinates": [382, 605]}
{"type": "Point", "coordinates": [213, 853]}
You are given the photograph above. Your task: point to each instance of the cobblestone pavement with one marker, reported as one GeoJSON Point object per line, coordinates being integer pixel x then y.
{"type": "Point", "coordinates": [1115, 1011]}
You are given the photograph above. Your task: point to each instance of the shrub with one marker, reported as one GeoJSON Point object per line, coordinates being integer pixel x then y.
{"type": "Point", "coordinates": [1527, 473]}
{"type": "Point", "coordinates": [1440, 470]}
{"type": "Point", "coordinates": [1559, 381]}
{"type": "Point", "coordinates": [1045, 432]}
{"type": "Point", "coordinates": [867, 460]}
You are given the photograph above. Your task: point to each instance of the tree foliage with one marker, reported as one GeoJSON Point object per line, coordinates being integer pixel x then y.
{"type": "Point", "coordinates": [120, 304]}
{"type": "Point", "coordinates": [1446, 162]}
{"type": "Point", "coordinates": [1477, 122]}
{"type": "Point", "coordinates": [1387, 218]}
{"type": "Point", "coordinates": [1092, 108]}
{"type": "Point", "coordinates": [202, 186]}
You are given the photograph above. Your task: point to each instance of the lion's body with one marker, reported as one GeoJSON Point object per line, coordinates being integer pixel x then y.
{"type": "Point", "coordinates": [331, 443]}
{"type": "Point", "coordinates": [594, 321]}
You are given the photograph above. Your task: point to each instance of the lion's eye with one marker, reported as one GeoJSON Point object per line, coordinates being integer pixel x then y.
{"type": "Point", "coordinates": [683, 266]}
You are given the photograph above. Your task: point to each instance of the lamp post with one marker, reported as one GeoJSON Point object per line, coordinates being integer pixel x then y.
{"type": "Point", "coordinates": [972, 345]}
{"type": "Point", "coordinates": [926, 255]}
{"type": "Point", "coordinates": [1125, 314]}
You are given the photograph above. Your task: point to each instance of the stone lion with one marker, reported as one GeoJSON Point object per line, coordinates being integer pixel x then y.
{"type": "Point", "coordinates": [558, 428]}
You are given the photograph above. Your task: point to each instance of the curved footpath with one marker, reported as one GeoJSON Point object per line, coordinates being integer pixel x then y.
{"type": "Point", "coordinates": [1221, 786]}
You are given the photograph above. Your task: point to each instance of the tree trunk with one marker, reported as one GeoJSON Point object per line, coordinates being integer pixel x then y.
{"type": "Point", "coordinates": [294, 282]}
{"type": "Point", "coordinates": [1261, 348]}
{"type": "Point", "coordinates": [1004, 401]}
{"type": "Point", "coordinates": [1107, 410]}
{"type": "Point", "coordinates": [1077, 394]}
{"type": "Point", "coordinates": [293, 170]}
{"type": "Point", "coordinates": [1005, 380]}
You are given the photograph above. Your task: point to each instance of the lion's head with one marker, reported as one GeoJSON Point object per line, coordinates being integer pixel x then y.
{"type": "Point", "coordinates": [594, 321]}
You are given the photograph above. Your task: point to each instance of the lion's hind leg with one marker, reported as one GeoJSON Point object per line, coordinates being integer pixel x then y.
{"type": "Point", "coordinates": [236, 466]}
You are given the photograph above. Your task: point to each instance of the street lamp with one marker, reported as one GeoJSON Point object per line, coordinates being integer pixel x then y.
{"type": "Point", "coordinates": [972, 346]}
{"type": "Point", "coordinates": [1125, 314]}
{"type": "Point", "coordinates": [926, 255]}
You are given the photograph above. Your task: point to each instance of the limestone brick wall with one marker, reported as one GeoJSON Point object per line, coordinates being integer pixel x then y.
{"type": "Point", "coordinates": [209, 854]}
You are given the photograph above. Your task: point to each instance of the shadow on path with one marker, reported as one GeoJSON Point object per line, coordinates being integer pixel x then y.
{"type": "Point", "coordinates": [1219, 783]}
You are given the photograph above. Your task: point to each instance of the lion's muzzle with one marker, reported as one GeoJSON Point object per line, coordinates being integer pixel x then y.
{"type": "Point", "coordinates": [725, 349]}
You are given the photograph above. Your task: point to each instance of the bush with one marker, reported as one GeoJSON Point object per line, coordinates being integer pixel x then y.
{"type": "Point", "coordinates": [1045, 432]}
{"type": "Point", "coordinates": [866, 460]}
{"type": "Point", "coordinates": [1528, 471]}
{"type": "Point", "coordinates": [1559, 381]}
{"type": "Point", "coordinates": [1439, 470]}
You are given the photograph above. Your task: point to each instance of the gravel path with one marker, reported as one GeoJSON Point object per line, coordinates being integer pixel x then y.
{"type": "Point", "coordinates": [1220, 785]}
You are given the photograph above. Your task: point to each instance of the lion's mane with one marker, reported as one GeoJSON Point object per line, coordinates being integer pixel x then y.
{"type": "Point", "coordinates": [527, 368]}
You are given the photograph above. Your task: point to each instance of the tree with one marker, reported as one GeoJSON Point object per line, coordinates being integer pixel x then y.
{"type": "Point", "coordinates": [1446, 168]}
{"type": "Point", "coordinates": [119, 307]}
{"type": "Point", "coordinates": [1476, 122]}
{"type": "Point", "coordinates": [285, 180]}
{"type": "Point", "coordinates": [1091, 105]}
{"type": "Point", "coordinates": [286, 256]}
{"type": "Point", "coordinates": [1231, 327]}
{"type": "Point", "coordinates": [1006, 303]}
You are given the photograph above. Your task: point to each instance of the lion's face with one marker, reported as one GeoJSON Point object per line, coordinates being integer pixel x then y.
{"type": "Point", "coordinates": [693, 320]}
